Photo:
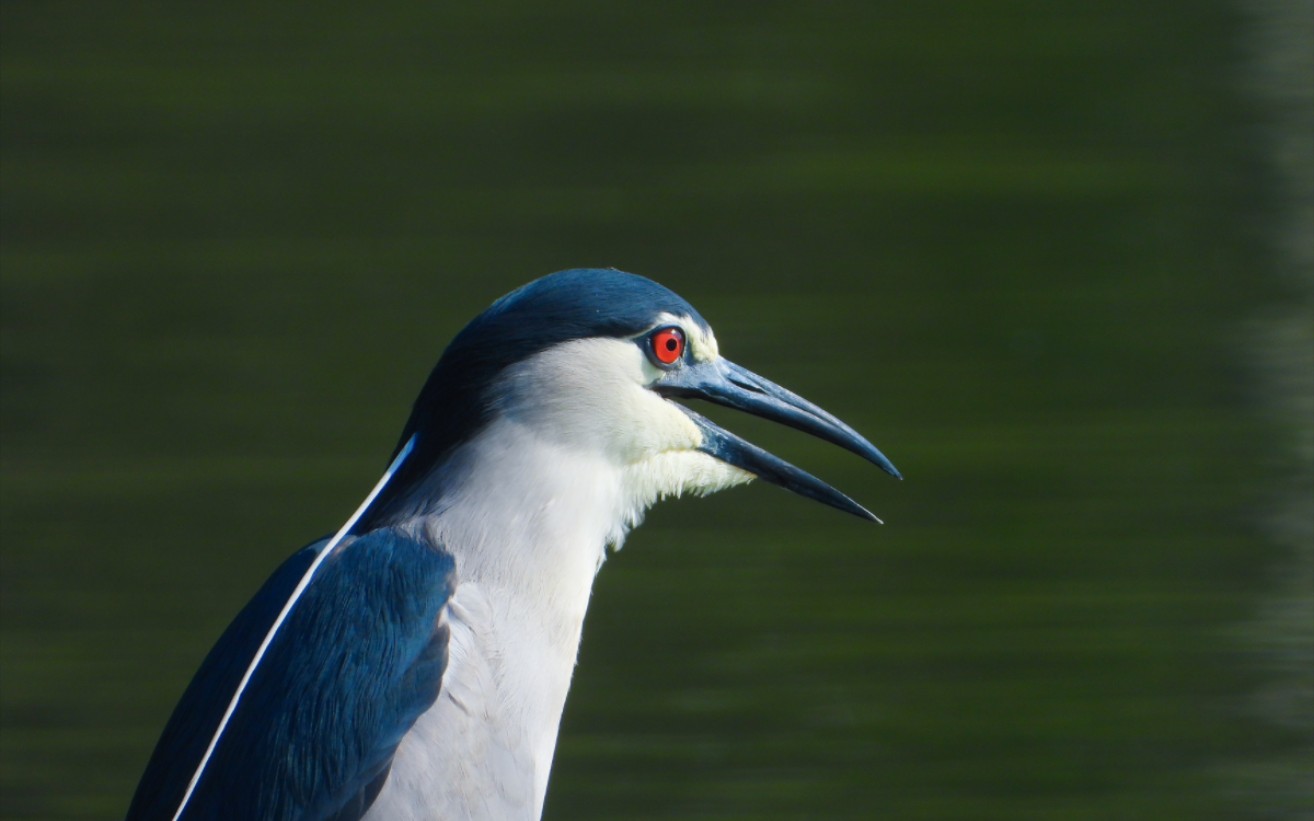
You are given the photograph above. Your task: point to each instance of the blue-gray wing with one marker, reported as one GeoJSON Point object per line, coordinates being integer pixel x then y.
{"type": "Point", "coordinates": [357, 661]}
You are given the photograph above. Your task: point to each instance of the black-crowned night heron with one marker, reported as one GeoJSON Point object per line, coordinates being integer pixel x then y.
{"type": "Point", "coordinates": [415, 664]}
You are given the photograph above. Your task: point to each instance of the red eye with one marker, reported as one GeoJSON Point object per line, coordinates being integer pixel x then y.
{"type": "Point", "coordinates": [667, 345]}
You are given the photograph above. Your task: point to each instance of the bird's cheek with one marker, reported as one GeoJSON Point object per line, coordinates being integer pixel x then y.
{"type": "Point", "coordinates": [657, 426]}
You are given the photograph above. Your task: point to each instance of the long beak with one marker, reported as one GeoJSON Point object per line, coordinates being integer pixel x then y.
{"type": "Point", "coordinates": [725, 383]}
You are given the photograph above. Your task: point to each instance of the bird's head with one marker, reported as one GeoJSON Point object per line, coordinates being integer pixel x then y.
{"type": "Point", "coordinates": [593, 361]}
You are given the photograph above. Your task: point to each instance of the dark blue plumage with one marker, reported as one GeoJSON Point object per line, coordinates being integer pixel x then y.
{"type": "Point", "coordinates": [354, 665]}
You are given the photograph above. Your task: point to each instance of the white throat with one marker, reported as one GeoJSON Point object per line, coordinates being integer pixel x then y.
{"type": "Point", "coordinates": [530, 517]}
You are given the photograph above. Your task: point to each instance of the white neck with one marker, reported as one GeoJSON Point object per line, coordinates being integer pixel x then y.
{"type": "Point", "coordinates": [530, 518]}
{"type": "Point", "coordinates": [528, 523]}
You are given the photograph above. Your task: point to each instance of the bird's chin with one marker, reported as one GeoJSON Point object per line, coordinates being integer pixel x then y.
{"type": "Point", "coordinates": [675, 473]}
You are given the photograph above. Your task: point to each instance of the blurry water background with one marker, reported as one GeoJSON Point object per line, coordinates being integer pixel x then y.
{"type": "Point", "coordinates": [1053, 257]}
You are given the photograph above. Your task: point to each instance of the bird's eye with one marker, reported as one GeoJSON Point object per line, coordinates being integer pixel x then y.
{"type": "Point", "coordinates": [667, 345]}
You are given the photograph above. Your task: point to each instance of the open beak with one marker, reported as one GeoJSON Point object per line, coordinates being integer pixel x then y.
{"type": "Point", "coordinates": [725, 383]}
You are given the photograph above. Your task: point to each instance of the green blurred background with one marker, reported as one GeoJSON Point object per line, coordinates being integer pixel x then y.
{"type": "Point", "coordinates": [1052, 257]}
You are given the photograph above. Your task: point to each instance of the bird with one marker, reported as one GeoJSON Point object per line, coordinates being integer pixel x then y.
{"type": "Point", "coordinates": [415, 663]}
